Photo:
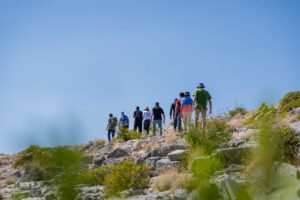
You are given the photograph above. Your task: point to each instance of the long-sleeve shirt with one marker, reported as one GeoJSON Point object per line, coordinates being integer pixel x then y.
{"type": "Point", "coordinates": [172, 109]}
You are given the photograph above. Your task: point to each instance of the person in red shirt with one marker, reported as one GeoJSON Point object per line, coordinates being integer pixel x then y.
{"type": "Point", "coordinates": [177, 111]}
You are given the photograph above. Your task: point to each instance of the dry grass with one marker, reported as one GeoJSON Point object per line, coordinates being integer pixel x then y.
{"type": "Point", "coordinates": [171, 137]}
{"type": "Point", "coordinates": [10, 180]}
{"type": "Point", "coordinates": [171, 179]}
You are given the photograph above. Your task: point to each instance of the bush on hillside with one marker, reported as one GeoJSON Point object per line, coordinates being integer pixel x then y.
{"type": "Point", "coordinates": [125, 176]}
{"type": "Point", "coordinates": [171, 179]}
{"type": "Point", "coordinates": [289, 101]}
{"type": "Point", "coordinates": [258, 114]}
{"type": "Point", "coordinates": [126, 135]}
{"type": "Point", "coordinates": [213, 137]}
{"type": "Point", "coordinates": [61, 164]}
{"type": "Point", "coordinates": [298, 117]}
{"type": "Point", "coordinates": [285, 144]}
{"type": "Point", "coordinates": [238, 110]}
{"type": "Point", "coordinates": [95, 176]}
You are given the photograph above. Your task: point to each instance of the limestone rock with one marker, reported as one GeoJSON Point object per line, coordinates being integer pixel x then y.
{"type": "Point", "coordinates": [177, 155]}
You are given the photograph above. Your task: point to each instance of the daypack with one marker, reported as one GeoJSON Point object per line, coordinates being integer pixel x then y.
{"type": "Point", "coordinates": [125, 120]}
{"type": "Point", "coordinates": [114, 122]}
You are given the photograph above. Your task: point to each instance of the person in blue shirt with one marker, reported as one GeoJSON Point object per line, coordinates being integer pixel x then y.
{"type": "Point", "coordinates": [186, 110]}
{"type": "Point", "coordinates": [124, 121]}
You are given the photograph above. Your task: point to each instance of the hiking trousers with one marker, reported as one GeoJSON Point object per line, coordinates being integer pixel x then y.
{"type": "Point", "coordinates": [147, 123]}
{"type": "Point", "coordinates": [186, 119]}
{"type": "Point", "coordinates": [159, 123]}
{"type": "Point", "coordinates": [138, 125]}
{"type": "Point", "coordinates": [203, 114]}
{"type": "Point", "coordinates": [178, 119]}
{"type": "Point", "coordinates": [110, 133]}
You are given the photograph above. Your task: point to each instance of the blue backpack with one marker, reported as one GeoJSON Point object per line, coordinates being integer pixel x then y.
{"type": "Point", "coordinates": [125, 120]}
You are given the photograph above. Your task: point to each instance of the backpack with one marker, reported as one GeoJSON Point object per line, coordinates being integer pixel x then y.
{"type": "Point", "coordinates": [125, 120]}
{"type": "Point", "coordinates": [114, 121]}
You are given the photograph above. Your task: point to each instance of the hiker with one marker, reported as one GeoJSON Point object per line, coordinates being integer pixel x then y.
{"type": "Point", "coordinates": [186, 110]}
{"type": "Point", "coordinates": [177, 111]}
{"type": "Point", "coordinates": [201, 97]}
{"type": "Point", "coordinates": [111, 126]}
{"type": "Point", "coordinates": [157, 117]}
{"type": "Point", "coordinates": [124, 121]}
{"type": "Point", "coordinates": [147, 120]}
{"type": "Point", "coordinates": [138, 119]}
{"type": "Point", "coordinates": [172, 114]}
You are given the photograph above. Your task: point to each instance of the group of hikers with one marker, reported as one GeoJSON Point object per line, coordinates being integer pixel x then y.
{"type": "Point", "coordinates": [180, 112]}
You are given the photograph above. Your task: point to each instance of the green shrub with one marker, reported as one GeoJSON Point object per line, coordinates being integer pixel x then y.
{"type": "Point", "coordinates": [289, 101]}
{"type": "Point", "coordinates": [203, 170]}
{"type": "Point", "coordinates": [214, 136]}
{"type": "Point", "coordinates": [286, 144]}
{"type": "Point", "coordinates": [298, 117]}
{"type": "Point", "coordinates": [258, 114]}
{"type": "Point", "coordinates": [60, 164]}
{"type": "Point", "coordinates": [126, 135]}
{"type": "Point", "coordinates": [95, 176]}
{"type": "Point", "coordinates": [124, 176]}
{"type": "Point", "coordinates": [19, 196]}
{"type": "Point", "coordinates": [238, 110]}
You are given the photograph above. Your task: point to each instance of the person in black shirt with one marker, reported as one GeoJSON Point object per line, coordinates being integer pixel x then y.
{"type": "Point", "coordinates": [138, 119]}
{"type": "Point", "coordinates": [157, 117]}
{"type": "Point", "coordinates": [172, 114]}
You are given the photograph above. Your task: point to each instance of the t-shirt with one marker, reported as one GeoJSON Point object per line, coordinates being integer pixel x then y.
{"type": "Point", "coordinates": [178, 105]}
{"type": "Point", "coordinates": [147, 115]}
{"type": "Point", "coordinates": [201, 98]}
{"type": "Point", "coordinates": [138, 116]}
{"type": "Point", "coordinates": [187, 104]}
{"type": "Point", "coordinates": [157, 112]}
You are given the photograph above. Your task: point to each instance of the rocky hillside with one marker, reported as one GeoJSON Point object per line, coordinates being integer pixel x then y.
{"type": "Point", "coordinates": [194, 165]}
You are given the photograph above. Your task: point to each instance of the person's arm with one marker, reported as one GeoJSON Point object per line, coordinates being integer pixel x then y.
{"type": "Point", "coordinates": [210, 106]}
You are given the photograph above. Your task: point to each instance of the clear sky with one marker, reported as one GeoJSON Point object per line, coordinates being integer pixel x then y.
{"type": "Point", "coordinates": [65, 65]}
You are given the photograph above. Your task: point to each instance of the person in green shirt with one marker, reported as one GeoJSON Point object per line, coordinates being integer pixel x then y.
{"type": "Point", "coordinates": [201, 97]}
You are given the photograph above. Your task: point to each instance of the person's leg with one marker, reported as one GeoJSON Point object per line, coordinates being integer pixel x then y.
{"type": "Point", "coordinates": [197, 111]}
{"type": "Point", "coordinates": [147, 126]}
{"type": "Point", "coordinates": [154, 126]}
{"type": "Point", "coordinates": [179, 121]}
{"type": "Point", "coordinates": [175, 122]}
{"type": "Point", "coordinates": [108, 135]}
{"type": "Point", "coordinates": [188, 119]}
{"type": "Point", "coordinates": [140, 126]}
{"type": "Point", "coordinates": [135, 126]}
{"type": "Point", "coordinates": [160, 127]}
{"type": "Point", "coordinates": [203, 113]}
{"type": "Point", "coordinates": [184, 121]}
{"type": "Point", "coordinates": [113, 133]}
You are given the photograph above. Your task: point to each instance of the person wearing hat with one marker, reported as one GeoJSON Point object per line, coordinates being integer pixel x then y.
{"type": "Point", "coordinates": [201, 97]}
{"type": "Point", "coordinates": [186, 110]}
{"type": "Point", "coordinates": [147, 120]}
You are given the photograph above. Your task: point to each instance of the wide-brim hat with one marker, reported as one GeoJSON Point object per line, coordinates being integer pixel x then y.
{"type": "Point", "coordinates": [201, 85]}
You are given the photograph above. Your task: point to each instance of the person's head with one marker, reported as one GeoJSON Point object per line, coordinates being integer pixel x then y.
{"type": "Point", "coordinates": [181, 94]}
{"type": "Point", "coordinates": [201, 86]}
{"type": "Point", "coordinates": [122, 113]}
{"type": "Point", "coordinates": [137, 108]}
{"type": "Point", "coordinates": [175, 100]}
{"type": "Point", "coordinates": [110, 115]}
{"type": "Point", "coordinates": [187, 94]}
{"type": "Point", "coordinates": [147, 108]}
{"type": "Point", "coordinates": [156, 104]}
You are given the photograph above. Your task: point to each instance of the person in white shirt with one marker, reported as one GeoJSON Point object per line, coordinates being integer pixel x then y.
{"type": "Point", "coordinates": [147, 119]}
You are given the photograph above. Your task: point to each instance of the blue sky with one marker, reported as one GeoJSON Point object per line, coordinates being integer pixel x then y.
{"type": "Point", "coordinates": [64, 65]}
